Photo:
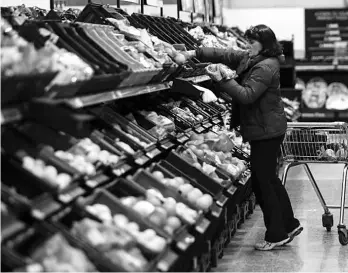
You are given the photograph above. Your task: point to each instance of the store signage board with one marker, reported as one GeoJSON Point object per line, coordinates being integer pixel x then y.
{"type": "Point", "coordinates": [130, 1]}
{"type": "Point", "coordinates": [217, 8]}
{"type": "Point", "coordinates": [198, 18]}
{"type": "Point", "coordinates": [130, 6]}
{"type": "Point", "coordinates": [187, 5]}
{"type": "Point", "coordinates": [154, 3]}
{"type": "Point", "coordinates": [217, 20]}
{"type": "Point", "coordinates": [199, 6]}
{"type": "Point", "coordinates": [185, 16]}
{"type": "Point", "coordinates": [152, 10]}
{"type": "Point", "coordinates": [323, 29]}
{"type": "Point", "coordinates": [210, 8]}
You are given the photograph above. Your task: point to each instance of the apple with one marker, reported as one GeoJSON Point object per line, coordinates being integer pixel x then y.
{"type": "Point", "coordinates": [169, 230]}
{"type": "Point", "coordinates": [199, 152]}
{"type": "Point", "coordinates": [170, 206]}
{"type": "Point", "coordinates": [185, 189]}
{"type": "Point", "coordinates": [133, 228]}
{"type": "Point", "coordinates": [149, 234]}
{"type": "Point", "coordinates": [179, 181]}
{"type": "Point", "coordinates": [121, 220]}
{"type": "Point", "coordinates": [195, 136]}
{"type": "Point", "coordinates": [197, 165]}
{"type": "Point", "coordinates": [204, 147]}
{"type": "Point", "coordinates": [192, 147]}
{"type": "Point", "coordinates": [144, 207]}
{"type": "Point", "coordinates": [193, 195]}
{"type": "Point", "coordinates": [204, 202]}
{"type": "Point", "coordinates": [173, 222]}
{"type": "Point", "coordinates": [169, 51]}
{"type": "Point", "coordinates": [200, 117]}
{"type": "Point", "coordinates": [129, 201]}
{"type": "Point", "coordinates": [154, 193]}
{"type": "Point", "coordinates": [179, 59]}
{"type": "Point", "coordinates": [158, 217]}
{"type": "Point", "coordinates": [156, 244]}
{"type": "Point", "coordinates": [211, 135]}
{"type": "Point", "coordinates": [28, 162]}
{"type": "Point", "coordinates": [154, 201]}
{"type": "Point", "coordinates": [158, 175]}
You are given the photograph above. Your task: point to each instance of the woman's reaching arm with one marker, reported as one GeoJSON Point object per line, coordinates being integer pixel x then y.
{"type": "Point", "coordinates": [229, 57]}
{"type": "Point", "coordinates": [259, 80]}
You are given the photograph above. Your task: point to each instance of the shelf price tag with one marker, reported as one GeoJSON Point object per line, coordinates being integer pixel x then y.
{"type": "Point", "coordinates": [199, 129]}
{"type": "Point", "coordinates": [203, 226]}
{"type": "Point", "coordinates": [141, 160]}
{"type": "Point", "coordinates": [207, 125]}
{"type": "Point", "coordinates": [96, 181]}
{"type": "Point", "coordinates": [183, 139]}
{"type": "Point", "coordinates": [167, 145]}
{"type": "Point", "coordinates": [71, 195]}
{"type": "Point", "coordinates": [153, 153]}
{"type": "Point", "coordinates": [185, 241]}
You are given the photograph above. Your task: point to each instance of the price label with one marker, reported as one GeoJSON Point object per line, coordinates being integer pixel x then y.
{"type": "Point", "coordinates": [69, 196]}
{"type": "Point", "coordinates": [207, 125]}
{"type": "Point", "coordinates": [167, 145]}
{"type": "Point", "coordinates": [199, 129]}
{"type": "Point", "coordinates": [203, 226]}
{"type": "Point", "coordinates": [183, 139]}
{"type": "Point", "coordinates": [141, 160]}
{"type": "Point", "coordinates": [153, 153]}
{"type": "Point", "coordinates": [232, 190]}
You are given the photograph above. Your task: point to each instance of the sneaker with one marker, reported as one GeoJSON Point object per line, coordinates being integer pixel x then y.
{"type": "Point", "coordinates": [265, 246]}
{"type": "Point", "coordinates": [294, 233]}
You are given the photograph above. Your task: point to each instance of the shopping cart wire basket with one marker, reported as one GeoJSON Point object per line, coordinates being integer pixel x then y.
{"type": "Point", "coordinates": [313, 142]}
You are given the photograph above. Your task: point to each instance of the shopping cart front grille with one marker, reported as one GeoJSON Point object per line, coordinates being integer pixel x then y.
{"type": "Point", "coordinates": [314, 143]}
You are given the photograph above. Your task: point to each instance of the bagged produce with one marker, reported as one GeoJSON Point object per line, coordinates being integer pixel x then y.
{"type": "Point", "coordinates": [314, 96]}
{"type": "Point", "coordinates": [219, 72]}
{"type": "Point", "coordinates": [337, 96]}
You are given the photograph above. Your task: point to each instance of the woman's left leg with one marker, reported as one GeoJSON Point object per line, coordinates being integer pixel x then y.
{"type": "Point", "coordinates": [263, 166]}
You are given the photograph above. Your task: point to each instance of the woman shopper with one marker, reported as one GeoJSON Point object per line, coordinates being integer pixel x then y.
{"type": "Point", "coordinates": [263, 123]}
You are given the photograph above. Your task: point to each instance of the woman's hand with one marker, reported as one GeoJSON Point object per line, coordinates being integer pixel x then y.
{"type": "Point", "coordinates": [208, 96]}
{"type": "Point", "coordinates": [189, 54]}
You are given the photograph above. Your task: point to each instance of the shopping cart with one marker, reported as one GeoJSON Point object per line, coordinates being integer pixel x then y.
{"type": "Point", "coordinates": [319, 143]}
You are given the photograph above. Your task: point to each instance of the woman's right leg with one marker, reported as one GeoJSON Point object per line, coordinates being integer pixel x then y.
{"type": "Point", "coordinates": [290, 222]}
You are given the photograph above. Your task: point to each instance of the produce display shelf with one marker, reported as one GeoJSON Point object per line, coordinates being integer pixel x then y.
{"type": "Point", "coordinates": [84, 101]}
{"type": "Point", "coordinates": [108, 154]}
{"type": "Point", "coordinates": [321, 68]}
{"type": "Point", "coordinates": [197, 79]}
{"type": "Point", "coordinates": [80, 102]}
{"type": "Point", "coordinates": [9, 115]}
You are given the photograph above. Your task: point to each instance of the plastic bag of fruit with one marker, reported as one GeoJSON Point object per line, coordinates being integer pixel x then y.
{"type": "Point", "coordinates": [219, 72]}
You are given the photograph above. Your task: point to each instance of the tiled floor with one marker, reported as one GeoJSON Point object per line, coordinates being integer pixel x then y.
{"type": "Point", "coordinates": [315, 250]}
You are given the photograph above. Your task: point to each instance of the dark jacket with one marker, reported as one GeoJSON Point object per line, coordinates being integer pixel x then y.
{"type": "Point", "coordinates": [261, 111]}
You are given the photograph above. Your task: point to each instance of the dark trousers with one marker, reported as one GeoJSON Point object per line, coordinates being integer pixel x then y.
{"type": "Point", "coordinates": [269, 191]}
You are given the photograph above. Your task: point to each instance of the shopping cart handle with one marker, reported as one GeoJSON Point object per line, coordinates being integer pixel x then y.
{"type": "Point", "coordinates": [316, 124]}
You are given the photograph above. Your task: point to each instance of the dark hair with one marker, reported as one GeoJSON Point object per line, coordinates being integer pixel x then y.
{"type": "Point", "coordinates": [265, 35]}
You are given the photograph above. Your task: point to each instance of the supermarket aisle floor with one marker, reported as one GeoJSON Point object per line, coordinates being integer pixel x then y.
{"type": "Point", "coordinates": [315, 250]}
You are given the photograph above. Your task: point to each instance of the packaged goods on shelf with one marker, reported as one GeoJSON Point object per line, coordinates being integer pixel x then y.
{"type": "Point", "coordinates": [337, 96]}
{"type": "Point", "coordinates": [314, 95]}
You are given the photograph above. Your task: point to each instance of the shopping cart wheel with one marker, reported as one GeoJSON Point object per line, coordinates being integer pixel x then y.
{"type": "Point", "coordinates": [343, 235]}
{"type": "Point", "coordinates": [327, 220]}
